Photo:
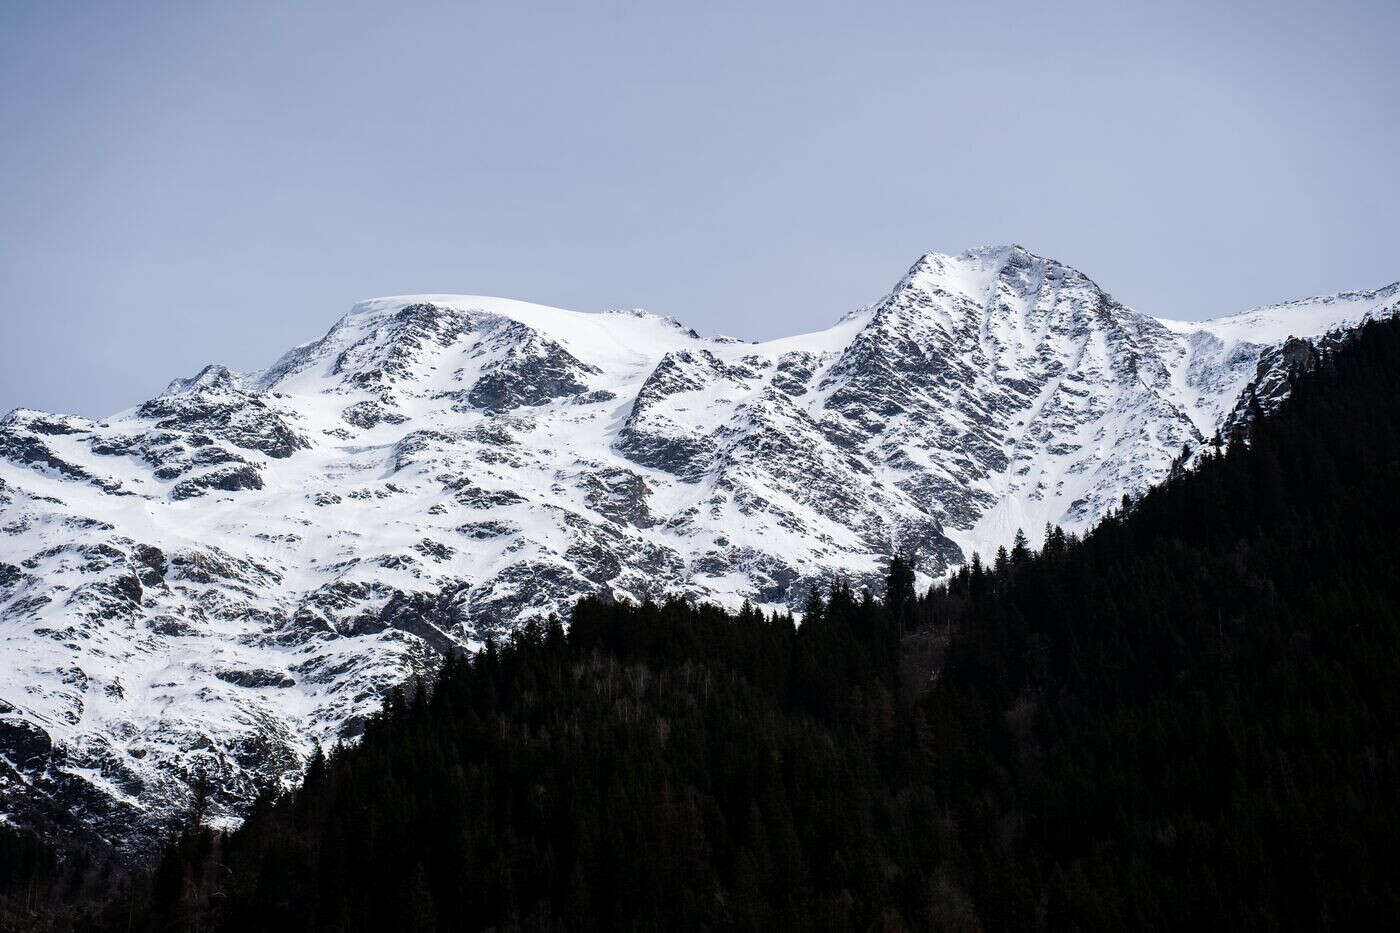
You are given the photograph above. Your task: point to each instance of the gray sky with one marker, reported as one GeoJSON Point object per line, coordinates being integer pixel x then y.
{"type": "Point", "coordinates": [190, 182]}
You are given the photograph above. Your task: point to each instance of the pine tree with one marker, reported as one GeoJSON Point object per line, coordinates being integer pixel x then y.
{"type": "Point", "coordinates": [900, 598]}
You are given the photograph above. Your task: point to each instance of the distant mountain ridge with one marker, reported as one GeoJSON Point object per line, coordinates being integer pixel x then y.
{"type": "Point", "coordinates": [208, 582]}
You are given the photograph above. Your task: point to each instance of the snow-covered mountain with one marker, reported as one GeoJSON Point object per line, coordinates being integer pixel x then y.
{"type": "Point", "coordinates": [210, 582]}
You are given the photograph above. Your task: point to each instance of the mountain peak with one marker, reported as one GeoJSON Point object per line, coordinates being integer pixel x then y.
{"type": "Point", "coordinates": [978, 274]}
{"type": "Point", "coordinates": [213, 376]}
{"type": "Point", "coordinates": [997, 255]}
{"type": "Point", "coordinates": [986, 256]}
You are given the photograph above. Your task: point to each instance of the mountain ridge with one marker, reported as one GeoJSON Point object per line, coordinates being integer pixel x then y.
{"type": "Point", "coordinates": [200, 586]}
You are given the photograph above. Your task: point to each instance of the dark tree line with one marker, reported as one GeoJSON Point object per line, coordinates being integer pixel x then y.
{"type": "Point", "coordinates": [657, 764]}
{"type": "Point", "coordinates": [1187, 719]}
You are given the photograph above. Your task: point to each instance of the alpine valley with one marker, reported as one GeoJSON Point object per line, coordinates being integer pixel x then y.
{"type": "Point", "coordinates": [197, 591]}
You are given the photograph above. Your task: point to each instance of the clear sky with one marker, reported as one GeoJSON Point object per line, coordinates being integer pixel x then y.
{"type": "Point", "coordinates": [190, 182]}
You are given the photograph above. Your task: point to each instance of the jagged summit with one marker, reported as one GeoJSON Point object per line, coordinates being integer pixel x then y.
{"type": "Point", "coordinates": [988, 256]}
{"type": "Point", "coordinates": [205, 584]}
{"type": "Point", "coordinates": [989, 280]}
{"type": "Point", "coordinates": [213, 376]}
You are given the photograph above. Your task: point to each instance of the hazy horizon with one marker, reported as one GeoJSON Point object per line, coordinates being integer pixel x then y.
{"type": "Point", "coordinates": [187, 184]}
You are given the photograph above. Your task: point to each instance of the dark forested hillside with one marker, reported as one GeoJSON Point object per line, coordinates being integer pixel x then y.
{"type": "Point", "coordinates": [658, 764]}
{"type": "Point", "coordinates": [1186, 719]}
{"type": "Point", "coordinates": [1190, 718]}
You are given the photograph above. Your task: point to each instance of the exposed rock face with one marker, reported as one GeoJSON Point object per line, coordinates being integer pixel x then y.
{"type": "Point", "coordinates": [199, 588]}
